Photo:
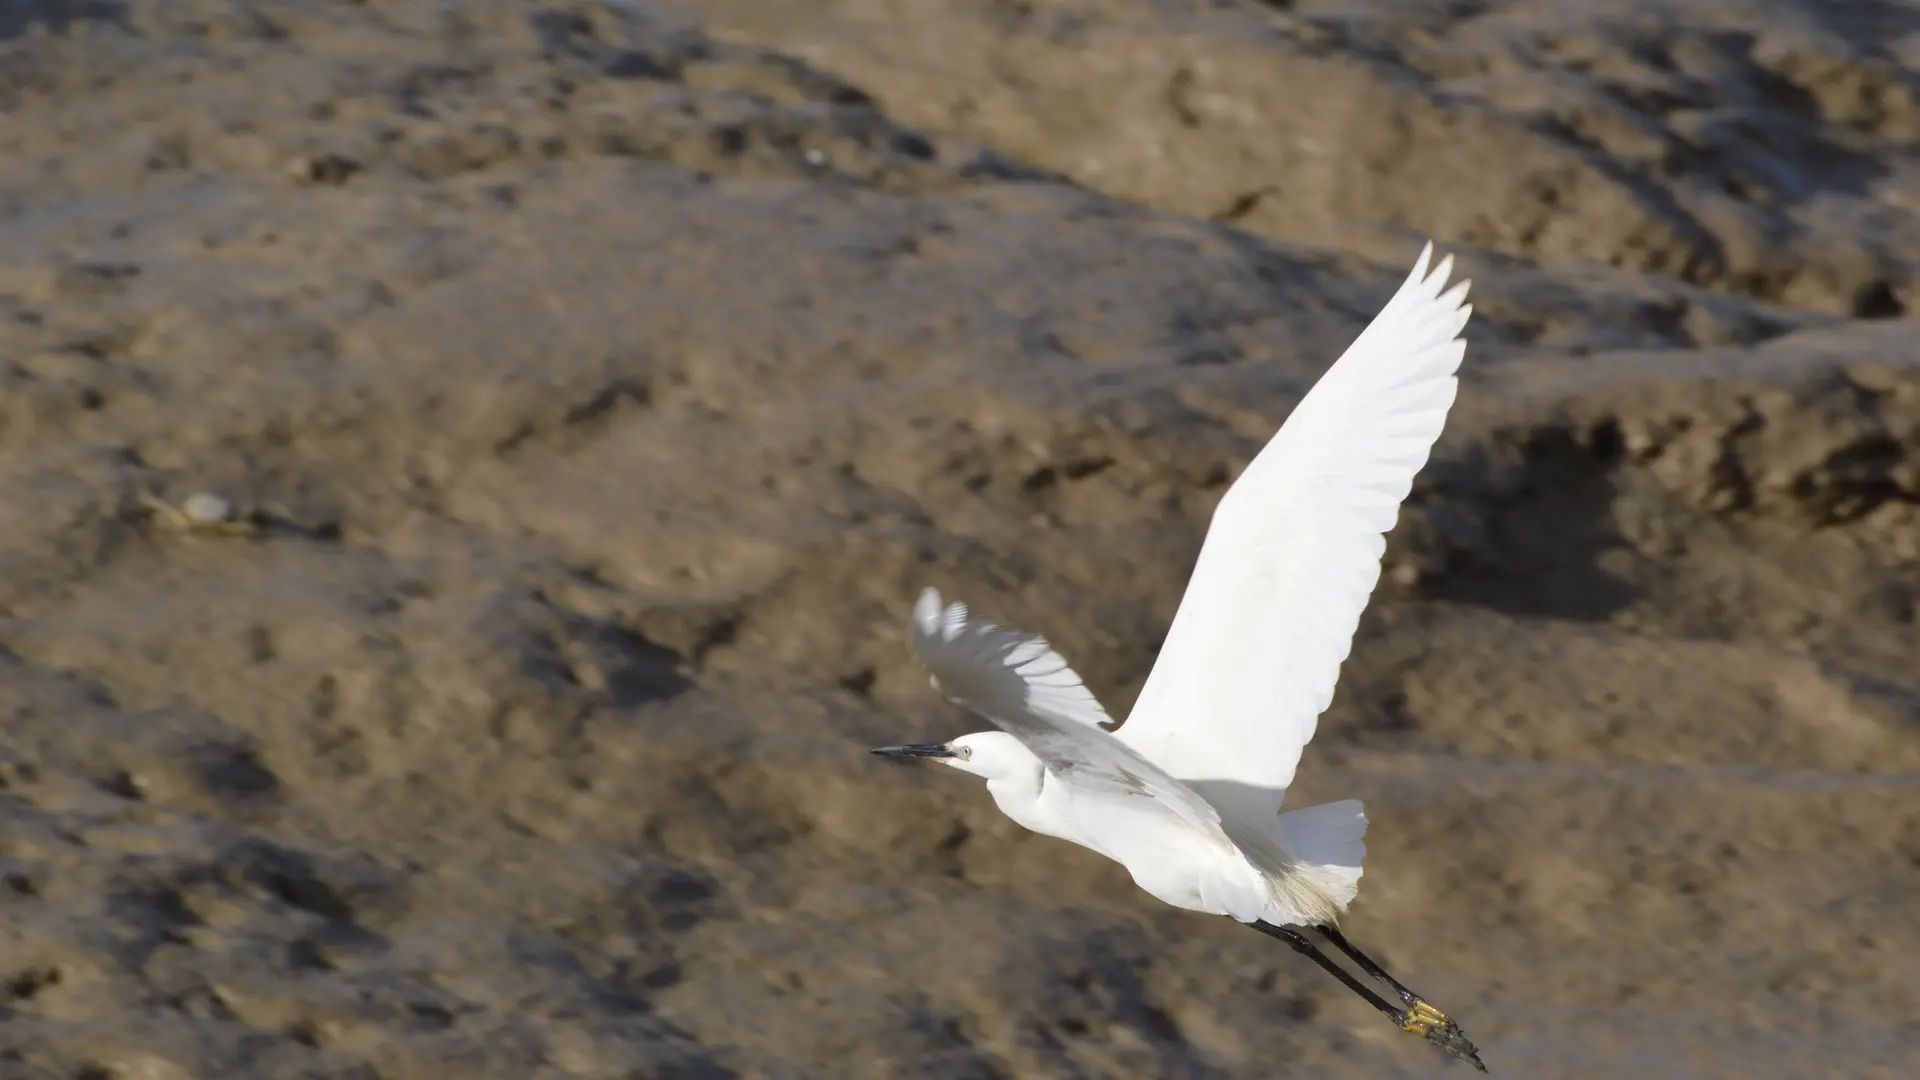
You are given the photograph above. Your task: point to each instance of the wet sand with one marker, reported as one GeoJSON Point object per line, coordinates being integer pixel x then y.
{"type": "Point", "coordinates": [610, 378]}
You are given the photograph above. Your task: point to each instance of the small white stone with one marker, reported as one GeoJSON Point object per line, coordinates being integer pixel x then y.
{"type": "Point", "coordinates": [206, 508]}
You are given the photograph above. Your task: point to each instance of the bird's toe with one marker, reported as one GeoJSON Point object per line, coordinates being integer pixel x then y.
{"type": "Point", "coordinates": [1438, 1028]}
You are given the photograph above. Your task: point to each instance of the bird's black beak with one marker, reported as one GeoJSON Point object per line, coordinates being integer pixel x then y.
{"type": "Point", "coordinates": [916, 750]}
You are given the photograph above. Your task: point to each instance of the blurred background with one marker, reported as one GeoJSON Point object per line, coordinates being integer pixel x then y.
{"type": "Point", "coordinates": [592, 386]}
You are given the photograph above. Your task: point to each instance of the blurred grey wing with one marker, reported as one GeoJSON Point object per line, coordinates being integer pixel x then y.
{"type": "Point", "coordinates": [1016, 681]}
{"type": "Point", "coordinates": [980, 664]}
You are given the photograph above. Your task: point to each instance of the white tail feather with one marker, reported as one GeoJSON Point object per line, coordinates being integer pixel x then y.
{"type": "Point", "coordinates": [1329, 843]}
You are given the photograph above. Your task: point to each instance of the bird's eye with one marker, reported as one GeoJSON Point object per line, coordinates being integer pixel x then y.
{"type": "Point", "coordinates": [966, 753]}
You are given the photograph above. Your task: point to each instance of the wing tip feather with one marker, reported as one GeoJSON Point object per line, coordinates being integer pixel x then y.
{"type": "Point", "coordinates": [1420, 264]}
{"type": "Point", "coordinates": [926, 610]}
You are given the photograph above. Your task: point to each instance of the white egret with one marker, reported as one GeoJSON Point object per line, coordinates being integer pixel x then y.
{"type": "Point", "coordinates": [1187, 793]}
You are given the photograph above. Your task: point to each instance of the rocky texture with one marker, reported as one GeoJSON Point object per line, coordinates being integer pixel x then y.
{"type": "Point", "coordinates": [606, 380]}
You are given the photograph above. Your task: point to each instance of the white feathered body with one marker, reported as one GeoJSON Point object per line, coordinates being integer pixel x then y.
{"type": "Point", "coordinates": [1308, 879]}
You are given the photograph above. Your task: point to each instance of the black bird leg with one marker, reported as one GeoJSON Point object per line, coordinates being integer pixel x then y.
{"type": "Point", "coordinates": [1418, 1017]}
{"type": "Point", "coordinates": [1305, 947]}
{"type": "Point", "coordinates": [1367, 963]}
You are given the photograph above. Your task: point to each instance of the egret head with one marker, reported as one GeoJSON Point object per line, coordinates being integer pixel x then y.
{"type": "Point", "coordinates": [991, 754]}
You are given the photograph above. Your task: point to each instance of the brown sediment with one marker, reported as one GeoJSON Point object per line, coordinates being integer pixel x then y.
{"type": "Point", "coordinates": [628, 369]}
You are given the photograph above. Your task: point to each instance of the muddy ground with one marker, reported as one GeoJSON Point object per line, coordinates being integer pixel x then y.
{"type": "Point", "coordinates": [610, 377]}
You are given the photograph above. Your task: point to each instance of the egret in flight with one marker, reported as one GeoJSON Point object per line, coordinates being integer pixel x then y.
{"type": "Point", "coordinates": [1187, 793]}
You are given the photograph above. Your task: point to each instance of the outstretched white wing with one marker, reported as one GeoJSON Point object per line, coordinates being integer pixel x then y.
{"type": "Point", "coordinates": [1293, 554]}
{"type": "Point", "coordinates": [1022, 686]}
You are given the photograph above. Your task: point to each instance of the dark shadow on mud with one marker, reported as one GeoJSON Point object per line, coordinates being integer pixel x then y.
{"type": "Point", "coordinates": [18, 17]}
{"type": "Point", "coordinates": [1523, 533]}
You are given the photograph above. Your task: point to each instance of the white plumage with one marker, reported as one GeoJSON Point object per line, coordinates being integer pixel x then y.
{"type": "Point", "coordinates": [1189, 790]}
{"type": "Point", "coordinates": [1293, 555]}
{"type": "Point", "coordinates": [1187, 794]}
